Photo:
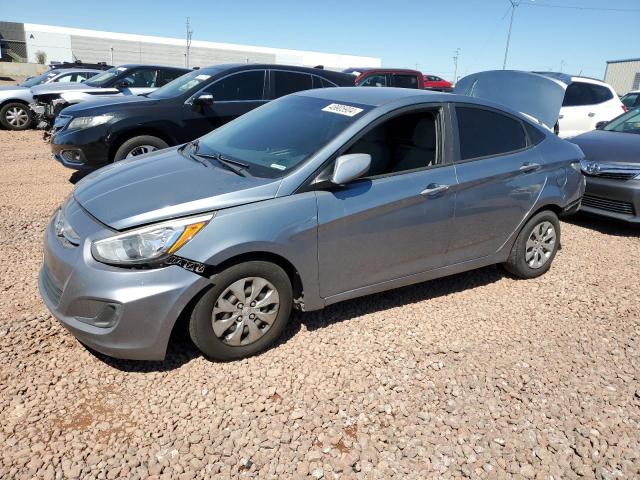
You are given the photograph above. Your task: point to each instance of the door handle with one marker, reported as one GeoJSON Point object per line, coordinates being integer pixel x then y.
{"type": "Point", "coordinates": [591, 114]}
{"type": "Point", "coordinates": [561, 117]}
{"type": "Point", "coordinates": [529, 167]}
{"type": "Point", "coordinates": [434, 189]}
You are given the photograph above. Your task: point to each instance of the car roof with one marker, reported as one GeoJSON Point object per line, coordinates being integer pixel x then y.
{"type": "Point", "coordinates": [134, 65]}
{"type": "Point", "coordinates": [74, 70]}
{"type": "Point", "coordinates": [389, 70]}
{"type": "Point", "coordinates": [568, 78]}
{"type": "Point", "coordinates": [376, 97]}
{"type": "Point", "coordinates": [272, 66]}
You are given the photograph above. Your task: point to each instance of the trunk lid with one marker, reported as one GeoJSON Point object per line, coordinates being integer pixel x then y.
{"type": "Point", "coordinates": [532, 94]}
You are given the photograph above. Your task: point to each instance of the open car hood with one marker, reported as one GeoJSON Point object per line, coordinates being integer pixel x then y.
{"type": "Point", "coordinates": [164, 185]}
{"type": "Point", "coordinates": [532, 94]}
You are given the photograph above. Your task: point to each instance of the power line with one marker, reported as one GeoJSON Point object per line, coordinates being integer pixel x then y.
{"type": "Point", "coordinates": [514, 5]}
{"type": "Point", "coordinates": [577, 7]}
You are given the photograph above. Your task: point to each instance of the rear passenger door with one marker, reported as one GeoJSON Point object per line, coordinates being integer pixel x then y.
{"type": "Point", "coordinates": [500, 176]}
{"type": "Point", "coordinates": [233, 95]}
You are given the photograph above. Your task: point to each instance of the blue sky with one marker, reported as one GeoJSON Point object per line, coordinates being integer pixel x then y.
{"type": "Point", "coordinates": [404, 33]}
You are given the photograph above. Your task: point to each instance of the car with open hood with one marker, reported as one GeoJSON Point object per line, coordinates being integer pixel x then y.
{"type": "Point", "coordinates": [90, 135]}
{"type": "Point", "coordinates": [311, 199]}
{"type": "Point", "coordinates": [612, 155]}
{"type": "Point", "coordinates": [15, 113]}
{"type": "Point", "coordinates": [131, 79]}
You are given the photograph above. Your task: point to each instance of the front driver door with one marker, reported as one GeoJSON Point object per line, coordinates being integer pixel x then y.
{"type": "Point", "coordinates": [233, 95]}
{"type": "Point", "coordinates": [390, 225]}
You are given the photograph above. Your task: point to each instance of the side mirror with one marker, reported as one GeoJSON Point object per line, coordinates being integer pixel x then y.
{"type": "Point", "coordinates": [204, 99]}
{"type": "Point", "coordinates": [601, 125]}
{"type": "Point", "coordinates": [349, 167]}
{"type": "Point", "coordinates": [121, 85]}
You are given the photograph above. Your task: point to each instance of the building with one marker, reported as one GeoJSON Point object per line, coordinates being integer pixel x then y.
{"type": "Point", "coordinates": [62, 44]}
{"type": "Point", "coordinates": [623, 75]}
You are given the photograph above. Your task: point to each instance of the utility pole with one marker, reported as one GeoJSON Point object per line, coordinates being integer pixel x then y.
{"type": "Point", "coordinates": [456, 54]}
{"type": "Point", "coordinates": [189, 34]}
{"type": "Point", "coordinates": [514, 4]}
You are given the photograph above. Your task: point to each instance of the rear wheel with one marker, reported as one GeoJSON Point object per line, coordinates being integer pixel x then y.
{"type": "Point", "coordinates": [244, 313]}
{"type": "Point", "coordinates": [16, 116]}
{"type": "Point", "coordinates": [536, 246]}
{"type": "Point", "coordinates": [139, 146]}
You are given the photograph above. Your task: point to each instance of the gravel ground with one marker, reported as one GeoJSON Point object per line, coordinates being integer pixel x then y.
{"type": "Point", "coordinates": [476, 375]}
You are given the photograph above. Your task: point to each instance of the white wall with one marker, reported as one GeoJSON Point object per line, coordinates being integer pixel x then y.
{"type": "Point", "coordinates": [57, 46]}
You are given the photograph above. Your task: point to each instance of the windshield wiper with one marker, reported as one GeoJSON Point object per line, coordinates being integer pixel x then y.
{"type": "Point", "coordinates": [235, 166]}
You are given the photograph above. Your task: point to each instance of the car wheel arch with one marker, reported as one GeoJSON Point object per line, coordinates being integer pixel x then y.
{"type": "Point", "coordinates": [14, 100]}
{"type": "Point", "coordinates": [119, 140]}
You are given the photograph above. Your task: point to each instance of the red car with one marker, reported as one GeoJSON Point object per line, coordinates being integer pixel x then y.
{"type": "Point", "coordinates": [387, 77]}
{"type": "Point", "coordinates": [431, 82]}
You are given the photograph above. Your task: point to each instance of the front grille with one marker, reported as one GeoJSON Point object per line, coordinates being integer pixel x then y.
{"type": "Point", "coordinates": [608, 205]}
{"type": "Point", "coordinates": [51, 288]}
{"type": "Point", "coordinates": [616, 175]}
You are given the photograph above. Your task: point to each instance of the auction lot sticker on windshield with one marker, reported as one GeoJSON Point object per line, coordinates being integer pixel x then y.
{"type": "Point", "coordinates": [340, 109]}
{"type": "Point", "coordinates": [203, 77]}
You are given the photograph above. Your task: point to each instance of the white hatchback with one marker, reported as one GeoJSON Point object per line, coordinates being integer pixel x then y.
{"type": "Point", "coordinates": [587, 102]}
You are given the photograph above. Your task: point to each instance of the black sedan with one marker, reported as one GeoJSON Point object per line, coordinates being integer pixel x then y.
{"type": "Point", "coordinates": [92, 134]}
{"type": "Point", "coordinates": [612, 168]}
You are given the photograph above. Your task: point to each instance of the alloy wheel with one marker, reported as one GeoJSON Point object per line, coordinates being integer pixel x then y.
{"type": "Point", "coordinates": [245, 311]}
{"type": "Point", "coordinates": [17, 117]}
{"type": "Point", "coordinates": [140, 150]}
{"type": "Point", "coordinates": [540, 245]}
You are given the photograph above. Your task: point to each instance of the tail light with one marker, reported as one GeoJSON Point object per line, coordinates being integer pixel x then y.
{"type": "Point", "coordinates": [624, 108]}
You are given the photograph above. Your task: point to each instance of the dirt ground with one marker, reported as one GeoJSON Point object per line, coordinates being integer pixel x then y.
{"type": "Point", "coordinates": [476, 375]}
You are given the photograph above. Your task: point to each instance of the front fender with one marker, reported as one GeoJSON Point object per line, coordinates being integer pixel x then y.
{"type": "Point", "coordinates": [283, 226]}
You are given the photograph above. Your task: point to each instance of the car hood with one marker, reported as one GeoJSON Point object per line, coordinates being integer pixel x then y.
{"type": "Point", "coordinates": [164, 185]}
{"type": "Point", "coordinates": [97, 105]}
{"type": "Point", "coordinates": [60, 87]}
{"type": "Point", "coordinates": [532, 94]}
{"type": "Point", "coordinates": [609, 147]}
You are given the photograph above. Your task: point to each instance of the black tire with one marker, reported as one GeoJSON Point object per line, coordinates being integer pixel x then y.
{"type": "Point", "coordinates": [7, 110]}
{"type": "Point", "coordinates": [138, 142]}
{"type": "Point", "coordinates": [200, 323]}
{"type": "Point", "coordinates": [517, 264]}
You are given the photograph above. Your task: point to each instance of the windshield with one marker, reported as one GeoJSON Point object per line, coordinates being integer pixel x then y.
{"type": "Point", "coordinates": [276, 138]}
{"type": "Point", "coordinates": [37, 80]}
{"type": "Point", "coordinates": [183, 84]}
{"type": "Point", "coordinates": [102, 78]}
{"type": "Point", "coordinates": [627, 122]}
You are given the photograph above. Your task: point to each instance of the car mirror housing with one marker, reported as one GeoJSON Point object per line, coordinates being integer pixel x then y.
{"type": "Point", "coordinates": [122, 85]}
{"type": "Point", "coordinates": [349, 167]}
{"type": "Point", "coordinates": [205, 99]}
{"type": "Point", "coordinates": [601, 125]}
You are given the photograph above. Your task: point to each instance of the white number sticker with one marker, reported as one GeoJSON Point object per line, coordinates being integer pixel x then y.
{"type": "Point", "coordinates": [203, 77]}
{"type": "Point", "coordinates": [340, 109]}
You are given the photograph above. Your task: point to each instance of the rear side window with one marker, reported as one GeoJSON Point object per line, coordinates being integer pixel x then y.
{"type": "Point", "coordinates": [290, 82]}
{"type": "Point", "coordinates": [319, 82]}
{"type": "Point", "coordinates": [238, 87]}
{"type": "Point", "coordinates": [405, 81]}
{"type": "Point", "coordinates": [374, 80]}
{"type": "Point", "coordinates": [535, 135]}
{"type": "Point", "coordinates": [484, 133]}
{"type": "Point", "coordinates": [580, 93]}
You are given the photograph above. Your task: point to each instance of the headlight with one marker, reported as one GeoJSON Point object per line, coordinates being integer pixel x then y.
{"type": "Point", "coordinates": [148, 244]}
{"type": "Point", "coordinates": [64, 231]}
{"type": "Point", "coordinates": [589, 167]}
{"type": "Point", "coordinates": [79, 123]}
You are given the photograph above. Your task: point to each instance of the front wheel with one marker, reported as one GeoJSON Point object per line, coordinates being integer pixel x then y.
{"type": "Point", "coordinates": [245, 311]}
{"type": "Point", "coordinates": [16, 116]}
{"type": "Point", "coordinates": [536, 246]}
{"type": "Point", "coordinates": [139, 146]}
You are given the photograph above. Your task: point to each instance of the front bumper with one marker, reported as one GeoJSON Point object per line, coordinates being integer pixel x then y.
{"type": "Point", "coordinates": [86, 149]}
{"type": "Point", "coordinates": [619, 199]}
{"type": "Point", "coordinates": [120, 312]}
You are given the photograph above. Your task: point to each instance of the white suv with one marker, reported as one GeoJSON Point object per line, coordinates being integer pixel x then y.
{"type": "Point", "coordinates": [587, 102]}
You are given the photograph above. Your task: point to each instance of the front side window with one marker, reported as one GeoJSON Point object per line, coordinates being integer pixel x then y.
{"type": "Point", "coordinates": [81, 76]}
{"type": "Point", "coordinates": [239, 87]}
{"type": "Point", "coordinates": [375, 80]}
{"type": "Point", "coordinates": [143, 78]}
{"type": "Point", "coordinates": [186, 83]}
{"type": "Point", "coordinates": [626, 123]}
{"type": "Point", "coordinates": [403, 143]}
{"type": "Point", "coordinates": [279, 136]}
{"type": "Point", "coordinates": [484, 133]}
{"type": "Point", "coordinates": [631, 100]}
{"type": "Point", "coordinates": [103, 78]}
{"type": "Point", "coordinates": [66, 78]}
{"type": "Point", "coordinates": [405, 81]}
{"type": "Point", "coordinates": [290, 82]}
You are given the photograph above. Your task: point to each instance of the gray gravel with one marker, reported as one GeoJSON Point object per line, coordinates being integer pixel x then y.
{"type": "Point", "coordinates": [476, 375]}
